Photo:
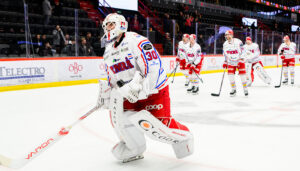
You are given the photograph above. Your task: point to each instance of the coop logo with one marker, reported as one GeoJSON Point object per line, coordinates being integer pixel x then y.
{"type": "Point", "coordinates": [75, 68]}
{"type": "Point", "coordinates": [157, 107]}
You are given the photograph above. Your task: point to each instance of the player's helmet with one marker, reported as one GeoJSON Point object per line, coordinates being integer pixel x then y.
{"type": "Point", "coordinates": [229, 32]}
{"type": "Point", "coordinates": [248, 38]}
{"type": "Point", "coordinates": [286, 37]}
{"type": "Point", "coordinates": [120, 22]}
{"type": "Point", "coordinates": [186, 36]}
{"type": "Point", "coordinates": [193, 36]}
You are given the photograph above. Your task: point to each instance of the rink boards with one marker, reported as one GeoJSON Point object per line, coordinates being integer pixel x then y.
{"type": "Point", "coordinates": [17, 74]}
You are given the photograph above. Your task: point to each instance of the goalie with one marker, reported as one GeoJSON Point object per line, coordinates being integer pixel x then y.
{"type": "Point", "coordinates": [253, 62]}
{"type": "Point", "coordinates": [137, 94]}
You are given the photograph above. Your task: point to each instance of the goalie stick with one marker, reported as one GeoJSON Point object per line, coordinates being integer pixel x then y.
{"type": "Point", "coordinates": [18, 163]}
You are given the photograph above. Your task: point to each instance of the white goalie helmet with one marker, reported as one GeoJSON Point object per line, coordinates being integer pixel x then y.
{"type": "Point", "coordinates": [121, 25]}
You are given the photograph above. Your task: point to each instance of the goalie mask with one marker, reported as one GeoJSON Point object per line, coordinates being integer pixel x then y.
{"type": "Point", "coordinates": [121, 26]}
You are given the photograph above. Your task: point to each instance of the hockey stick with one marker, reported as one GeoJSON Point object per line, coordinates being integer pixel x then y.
{"type": "Point", "coordinates": [280, 78]}
{"type": "Point", "coordinates": [174, 73]}
{"type": "Point", "coordinates": [217, 95]}
{"type": "Point", "coordinates": [18, 163]}
{"type": "Point", "coordinates": [199, 78]}
{"type": "Point", "coordinates": [281, 71]}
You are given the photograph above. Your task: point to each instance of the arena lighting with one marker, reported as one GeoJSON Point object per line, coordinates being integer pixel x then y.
{"type": "Point", "coordinates": [268, 3]}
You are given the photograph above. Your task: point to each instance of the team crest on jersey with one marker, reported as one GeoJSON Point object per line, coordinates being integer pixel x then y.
{"type": "Point", "coordinates": [121, 66]}
{"type": "Point", "coordinates": [232, 52]}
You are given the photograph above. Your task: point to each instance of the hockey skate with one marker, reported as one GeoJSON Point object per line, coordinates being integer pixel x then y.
{"type": "Point", "coordinates": [246, 92]}
{"type": "Point", "coordinates": [186, 83]}
{"type": "Point", "coordinates": [138, 157]}
{"type": "Point", "coordinates": [233, 93]}
{"type": "Point", "coordinates": [285, 82]}
{"type": "Point", "coordinates": [292, 82]}
{"type": "Point", "coordinates": [190, 89]}
{"type": "Point", "coordinates": [195, 91]}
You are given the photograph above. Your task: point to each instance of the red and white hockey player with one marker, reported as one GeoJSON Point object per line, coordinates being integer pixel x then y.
{"type": "Point", "coordinates": [194, 64]}
{"type": "Point", "coordinates": [287, 52]}
{"type": "Point", "coordinates": [232, 51]}
{"type": "Point", "coordinates": [181, 56]}
{"type": "Point", "coordinates": [253, 62]}
{"type": "Point", "coordinates": [137, 94]}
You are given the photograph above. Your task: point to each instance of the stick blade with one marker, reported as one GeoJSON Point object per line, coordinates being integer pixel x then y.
{"type": "Point", "coordinates": [12, 163]}
{"type": "Point", "coordinates": [5, 161]}
{"type": "Point", "coordinates": [214, 94]}
{"type": "Point", "coordinates": [277, 86]}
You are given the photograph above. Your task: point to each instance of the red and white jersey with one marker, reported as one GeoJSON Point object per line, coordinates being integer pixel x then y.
{"type": "Point", "coordinates": [232, 51]}
{"type": "Point", "coordinates": [251, 52]}
{"type": "Point", "coordinates": [289, 50]}
{"type": "Point", "coordinates": [193, 54]}
{"type": "Point", "coordinates": [134, 53]}
{"type": "Point", "coordinates": [182, 47]}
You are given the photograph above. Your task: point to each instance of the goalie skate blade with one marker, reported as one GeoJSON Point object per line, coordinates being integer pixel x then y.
{"type": "Point", "coordinates": [133, 159]}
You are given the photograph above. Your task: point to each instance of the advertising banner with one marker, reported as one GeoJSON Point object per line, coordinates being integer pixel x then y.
{"type": "Point", "coordinates": [46, 70]}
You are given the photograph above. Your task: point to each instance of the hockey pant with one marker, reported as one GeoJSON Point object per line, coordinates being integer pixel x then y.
{"type": "Point", "coordinates": [151, 117]}
{"type": "Point", "coordinates": [288, 64]}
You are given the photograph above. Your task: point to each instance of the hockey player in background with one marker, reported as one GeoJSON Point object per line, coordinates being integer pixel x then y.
{"type": "Point", "coordinates": [137, 94]}
{"type": "Point", "coordinates": [253, 62]}
{"type": "Point", "coordinates": [287, 52]}
{"type": "Point", "coordinates": [181, 56]}
{"type": "Point", "coordinates": [194, 64]}
{"type": "Point", "coordinates": [233, 53]}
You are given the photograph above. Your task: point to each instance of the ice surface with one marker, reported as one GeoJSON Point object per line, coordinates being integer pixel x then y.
{"type": "Point", "coordinates": [258, 133]}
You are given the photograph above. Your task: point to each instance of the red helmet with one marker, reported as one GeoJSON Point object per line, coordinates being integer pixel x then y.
{"type": "Point", "coordinates": [229, 32]}
{"type": "Point", "coordinates": [186, 35]}
{"type": "Point", "coordinates": [248, 38]}
{"type": "Point", "coordinates": [193, 36]}
{"type": "Point", "coordinates": [286, 37]}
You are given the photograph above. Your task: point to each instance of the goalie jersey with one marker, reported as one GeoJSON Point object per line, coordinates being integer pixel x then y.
{"type": "Point", "coordinates": [134, 53]}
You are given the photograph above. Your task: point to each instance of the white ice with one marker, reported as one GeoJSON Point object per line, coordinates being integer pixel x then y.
{"type": "Point", "coordinates": [258, 133]}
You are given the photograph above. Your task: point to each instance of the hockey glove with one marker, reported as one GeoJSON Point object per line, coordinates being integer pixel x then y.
{"type": "Point", "coordinates": [282, 57]}
{"type": "Point", "coordinates": [225, 65]}
{"type": "Point", "coordinates": [131, 90]}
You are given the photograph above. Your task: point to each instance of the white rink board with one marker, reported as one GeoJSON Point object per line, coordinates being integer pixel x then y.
{"type": "Point", "coordinates": [27, 71]}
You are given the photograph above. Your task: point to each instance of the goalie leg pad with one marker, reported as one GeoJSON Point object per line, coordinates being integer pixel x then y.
{"type": "Point", "coordinates": [176, 134]}
{"type": "Point", "coordinates": [132, 141]}
{"type": "Point", "coordinates": [261, 72]}
{"type": "Point", "coordinates": [156, 130]}
{"type": "Point", "coordinates": [184, 148]}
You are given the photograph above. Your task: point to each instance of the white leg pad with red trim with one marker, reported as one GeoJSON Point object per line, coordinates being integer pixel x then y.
{"type": "Point", "coordinates": [132, 141]}
{"type": "Point", "coordinates": [181, 140]}
{"type": "Point", "coordinates": [261, 72]}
